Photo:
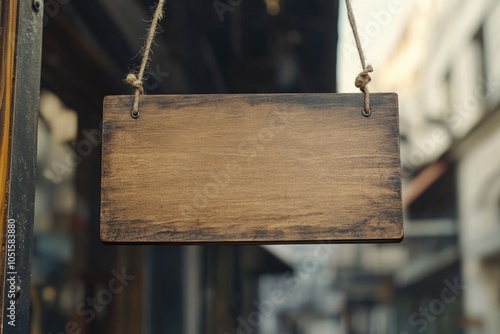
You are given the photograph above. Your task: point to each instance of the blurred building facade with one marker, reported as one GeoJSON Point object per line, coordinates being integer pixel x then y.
{"type": "Point", "coordinates": [445, 70]}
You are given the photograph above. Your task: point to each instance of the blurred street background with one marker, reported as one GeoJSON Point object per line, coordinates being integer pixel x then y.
{"type": "Point", "coordinates": [440, 56]}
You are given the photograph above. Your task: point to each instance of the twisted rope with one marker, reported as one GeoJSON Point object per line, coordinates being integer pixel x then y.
{"type": "Point", "coordinates": [363, 78]}
{"type": "Point", "coordinates": [136, 80]}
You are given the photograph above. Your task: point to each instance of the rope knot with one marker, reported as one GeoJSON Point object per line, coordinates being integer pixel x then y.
{"type": "Point", "coordinates": [134, 82]}
{"type": "Point", "coordinates": [364, 78]}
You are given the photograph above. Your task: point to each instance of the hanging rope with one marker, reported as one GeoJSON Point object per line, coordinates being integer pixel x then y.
{"type": "Point", "coordinates": [136, 81]}
{"type": "Point", "coordinates": [363, 78]}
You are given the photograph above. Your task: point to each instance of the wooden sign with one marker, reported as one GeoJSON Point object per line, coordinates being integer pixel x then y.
{"type": "Point", "coordinates": [277, 168]}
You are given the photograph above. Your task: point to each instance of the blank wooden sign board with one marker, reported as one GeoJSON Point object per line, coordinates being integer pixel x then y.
{"type": "Point", "coordinates": [277, 168]}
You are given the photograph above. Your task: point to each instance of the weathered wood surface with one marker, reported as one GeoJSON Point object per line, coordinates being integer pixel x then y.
{"type": "Point", "coordinates": [277, 168]}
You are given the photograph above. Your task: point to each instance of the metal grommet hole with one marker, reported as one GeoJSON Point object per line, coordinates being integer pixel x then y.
{"type": "Point", "coordinates": [134, 114]}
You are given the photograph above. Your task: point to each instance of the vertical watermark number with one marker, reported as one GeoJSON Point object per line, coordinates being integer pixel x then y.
{"type": "Point", "coordinates": [11, 274]}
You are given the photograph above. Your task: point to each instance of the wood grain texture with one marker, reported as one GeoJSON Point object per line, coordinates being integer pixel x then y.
{"type": "Point", "coordinates": [266, 168]}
